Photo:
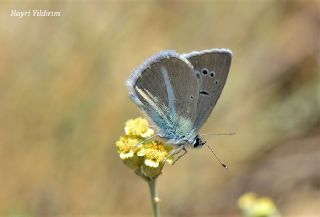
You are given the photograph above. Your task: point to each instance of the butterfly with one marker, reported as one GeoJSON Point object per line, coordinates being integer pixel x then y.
{"type": "Point", "coordinates": [179, 91]}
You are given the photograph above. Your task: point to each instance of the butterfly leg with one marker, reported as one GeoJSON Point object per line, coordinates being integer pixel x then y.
{"type": "Point", "coordinates": [147, 139]}
{"type": "Point", "coordinates": [180, 156]}
{"type": "Point", "coordinates": [177, 151]}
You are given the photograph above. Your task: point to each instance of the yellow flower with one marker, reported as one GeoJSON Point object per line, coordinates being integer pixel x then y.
{"type": "Point", "coordinates": [147, 159]}
{"type": "Point", "coordinates": [247, 200]}
{"type": "Point", "coordinates": [252, 206]}
{"type": "Point", "coordinates": [155, 153]}
{"type": "Point", "coordinates": [264, 207]}
{"type": "Point", "coordinates": [127, 148]}
{"type": "Point", "coordinates": [138, 127]}
{"type": "Point", "coordinates": [127, 145]}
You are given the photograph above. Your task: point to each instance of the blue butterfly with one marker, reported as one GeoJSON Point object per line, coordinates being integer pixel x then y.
{"type": "Point", "coordinates": [179, 91]}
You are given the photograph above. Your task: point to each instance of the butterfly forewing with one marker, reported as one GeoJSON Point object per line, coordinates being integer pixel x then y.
{"type": "Point", "coordinates": [166, 88]}
{"type": "Point", "coordinates": [211, 68]}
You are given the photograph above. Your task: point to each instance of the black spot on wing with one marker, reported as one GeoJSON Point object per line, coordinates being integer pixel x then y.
{"type": "Point", "coordinates": [204, 92]}
{"type": "Point", "coordinates": [198, 75]}
{"type": "Point", "coordinates": [204, 71]}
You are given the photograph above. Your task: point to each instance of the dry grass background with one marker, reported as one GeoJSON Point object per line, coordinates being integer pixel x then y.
{"type": "Point", "coordinates": [63, 104]}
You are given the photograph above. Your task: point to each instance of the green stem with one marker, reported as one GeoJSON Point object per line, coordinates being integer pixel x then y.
{"type": "Point", "coordinates": [154, 197]}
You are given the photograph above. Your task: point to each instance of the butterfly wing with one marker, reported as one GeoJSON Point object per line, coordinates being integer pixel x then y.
{"type": "Point", "coordinates": [166, 89]}
{"type": "Point", "coordinates": [212, 68]}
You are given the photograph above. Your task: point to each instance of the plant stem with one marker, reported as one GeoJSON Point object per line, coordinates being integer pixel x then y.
{"type": "Point", "coordinates": [154, 197]}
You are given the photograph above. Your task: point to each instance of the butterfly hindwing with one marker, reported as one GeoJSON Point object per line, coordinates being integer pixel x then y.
{"type": "Point", "coordinates": [211, 68]}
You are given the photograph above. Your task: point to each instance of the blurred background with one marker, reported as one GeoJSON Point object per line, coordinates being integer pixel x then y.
{"type": "Point", "coordinates": [63, 104]}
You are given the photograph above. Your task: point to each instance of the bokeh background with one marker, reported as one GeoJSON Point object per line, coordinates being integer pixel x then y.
{"type": "Point", "coordinates": [63, 104]}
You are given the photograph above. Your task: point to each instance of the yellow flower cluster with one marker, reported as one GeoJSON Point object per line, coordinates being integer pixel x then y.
{"type": "Point", "coordinates": [138, 127]}
{"type": "Point", "coordinates": [146, 157]}
{"type": "Point", "coordinates": [253, 206]}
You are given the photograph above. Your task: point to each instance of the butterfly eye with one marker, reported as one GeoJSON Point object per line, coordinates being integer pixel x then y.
{"type": "Point", "coordinates": [204, 71]}
{"type": "Point", "coordinates": [196, 143]}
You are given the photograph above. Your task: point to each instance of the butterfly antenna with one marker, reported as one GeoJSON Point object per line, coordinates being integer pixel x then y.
{"type": "Point", "coordinates": [219, 134]}
{"type": "Point", "coordinates": [216, 157]}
